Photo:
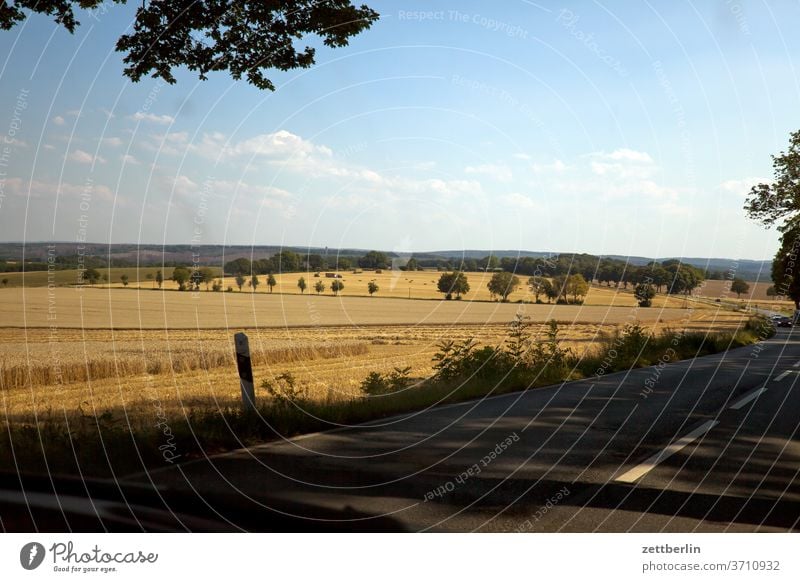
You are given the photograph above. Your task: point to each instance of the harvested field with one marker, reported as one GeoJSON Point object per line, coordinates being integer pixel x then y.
{"type": "Point", "coordinates": [52, 357]}
{"type": "Point", "coordinates": [68, 277]}
{"type": "Point", "coordinates": [152, 309]}
{"type": "Point", "coordinates": [70, 356]}
{"type": "Point", "coordinates": [65, 369]}
{"type": "Point", "coordinates": [756, 294]}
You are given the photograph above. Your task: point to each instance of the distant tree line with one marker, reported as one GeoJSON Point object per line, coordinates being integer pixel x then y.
{"type": "Point", "coordinates": [670, 276]}
{"type": "Point", "coordinates": [67, 262]}
{"type": "Point", "coordinates": [73, 262]}
{"type": "Point", "coordinates": [593, 268]}
{"type": "Point", "coordinates": [292, 262]}
{"type": "Point", "coordinates": [557, 280]}
{"type": "Point", "coordinates": [286, 262]}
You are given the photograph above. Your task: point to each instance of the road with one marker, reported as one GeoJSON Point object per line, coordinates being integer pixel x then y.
{"type": "Point", "coordinates": [709, 444]}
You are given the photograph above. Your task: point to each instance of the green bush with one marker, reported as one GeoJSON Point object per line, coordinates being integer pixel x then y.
{"type": "Point", "coordinates": [376, 383]}
{"type": "Point", "coordinates": [452, 359]}
{"type": "Point", "coordinates": [284, 389]}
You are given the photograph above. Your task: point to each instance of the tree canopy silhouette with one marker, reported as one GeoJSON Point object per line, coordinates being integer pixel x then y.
{"type": "Point", "coordinates": [779, 201]}
{"type": "Point", "coordinates": [246, 38]}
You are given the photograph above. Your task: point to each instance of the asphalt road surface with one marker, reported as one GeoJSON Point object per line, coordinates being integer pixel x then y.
{"type": "Point", "coordinates": [707, 445]}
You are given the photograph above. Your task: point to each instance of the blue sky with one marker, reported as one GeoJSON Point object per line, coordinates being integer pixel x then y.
{"type": "Point", "coordinates": [614, 127]}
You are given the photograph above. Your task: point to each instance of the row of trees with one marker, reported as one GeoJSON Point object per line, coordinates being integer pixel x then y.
{"type": "Point", "coordinates": [65, 262]}
{"type": "Point", "coordinates": [291, 262]}
{"type": "Point", "coordinates": [562, 289]}
{"type": "Point", "coordinates": [280, 262]}
{"type": "Point", "coordinates": [191, 279]}
{"type": "Point", "coordinates": [671, 276]}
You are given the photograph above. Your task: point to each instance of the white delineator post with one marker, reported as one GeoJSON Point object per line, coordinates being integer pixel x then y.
{"type": "Point", "coordinates": [245, 371]}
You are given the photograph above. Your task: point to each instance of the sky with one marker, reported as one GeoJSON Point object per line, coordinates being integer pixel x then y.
{"type": "Point", "coordinates": [631, 128]}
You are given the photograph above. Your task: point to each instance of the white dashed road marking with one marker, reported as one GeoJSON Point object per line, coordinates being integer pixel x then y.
{"type": "Point", "coordinates": [641, 470]}
{"type": "Point", "coordinates": [747, 398]}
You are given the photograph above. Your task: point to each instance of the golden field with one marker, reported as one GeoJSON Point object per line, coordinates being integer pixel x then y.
{"type": "Point", "coordinates": [67, 277]}
{"type": "Point", "coordinates": [196, 369]}
{"type": "Point", "coordinates": [408, 285]}
{"type": "Point", "coordinates": [756, 295]}
{"type": "Point", "coordinates": [113, 349]}
{"type": "Point", "coordinates": [96, 308]}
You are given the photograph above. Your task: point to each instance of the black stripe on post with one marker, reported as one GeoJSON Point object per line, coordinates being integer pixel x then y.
{"type": "Point", "coordinates": [245, 371]}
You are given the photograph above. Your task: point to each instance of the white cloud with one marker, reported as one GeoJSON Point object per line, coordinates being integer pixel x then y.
{"type": "Point", "coordinates": [252, 191]}
{"type": "Point", "coordinates": [625, 155]}
{"type": "Point", "coordinates": [82, 157]}
{"type": "Point", "coordinates": [112, 142]}
{"type": "Point", "coordinates": [449, 188]}
{"type": "Point", "coordinates": [517, 200]}
{"type": "Point", "coordinates": [181, 185]}
{"type": "Point", "coordinates": [173, 143]}
{"type": "Point", "coordinates": [495, 171]}
{"type": "Point", "coordinates": [44, 189]}
{"type": "Point", "coordinates": [742, 187]}
{"type": "Point", "coordinates": [292, 153]}
{"type": "Point", "coordinates": [623, 174]}
{"type": "Point", "coordinates": [557, 167]}
{"type": "Point", "coordinates": [674, 208]}
{"type": "Point", "coordinates": [185, 186]}
{"type": "Point", "coordinates": [58, 120]}
{"type": "Point", "coordinates": [186, 192]}
{"type": "Point", "coordinates": [423, 166]}
{"type": "Point", "coordinates": [622, 163]}
{"type": "Point", "coordinates": [521, 156]}
{"type": "Point", "coordinates": [152, 118]}
{"type": "Point", "coordinates": [130, 160]}
{"type": "Point", "coordinates": [281, 148]}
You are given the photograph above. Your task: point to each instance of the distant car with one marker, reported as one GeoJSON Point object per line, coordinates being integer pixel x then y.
{"type": "Point", "coordinates": [784, 322]}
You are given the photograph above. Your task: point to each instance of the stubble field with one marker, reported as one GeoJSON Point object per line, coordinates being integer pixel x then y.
{"type": "Point", "coordinates": [756, 295]}
{"type": "Point", "coordinates": [73, 352]}
{"type": "Point", "coordinates": [95, 308]}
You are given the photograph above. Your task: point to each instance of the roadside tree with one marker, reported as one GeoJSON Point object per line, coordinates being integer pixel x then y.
{"type": "Point", "coordinates": [502, 285]}
{"type": "Point", "coordinates": [739, 286]}
{"type": "Point", "coordinates": [644, 293]}
{"type": "Point", "coordinates": [181, 276]}
{"type": "Point", "coordinates": [454, 283]}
